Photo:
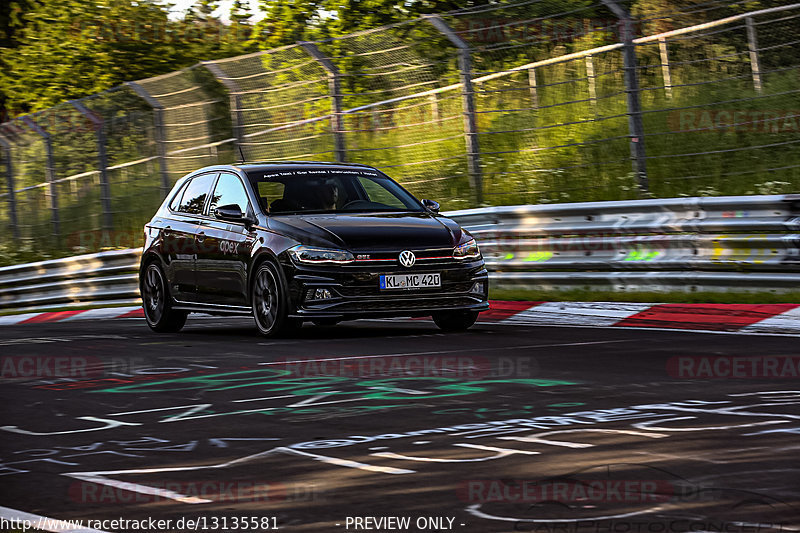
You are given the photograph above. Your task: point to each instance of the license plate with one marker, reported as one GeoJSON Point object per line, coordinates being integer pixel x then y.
{"type": "Point", "coordinates": [410, 281]}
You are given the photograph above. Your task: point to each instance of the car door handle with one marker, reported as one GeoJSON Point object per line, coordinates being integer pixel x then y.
{"type": "Point", "coordinates": [201, 237]}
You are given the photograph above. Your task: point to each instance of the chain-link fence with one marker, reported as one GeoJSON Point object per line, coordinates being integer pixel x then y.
{"type": "Point", "coordinates": [533, 101]}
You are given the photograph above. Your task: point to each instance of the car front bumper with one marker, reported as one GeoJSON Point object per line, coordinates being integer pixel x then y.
{"type": "Point", "coordinates": [355, 291]}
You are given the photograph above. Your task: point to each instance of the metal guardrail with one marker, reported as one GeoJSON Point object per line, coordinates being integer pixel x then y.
{"type": "Point", "coordinates": [102, 278]}
{"type": "Point", "coordinates": [720, 244]}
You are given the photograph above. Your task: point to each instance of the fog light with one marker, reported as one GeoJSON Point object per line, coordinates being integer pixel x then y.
{"type": "Point", "coordinates": [477, 288]}
{"type": "Point", "coordinates": [322, 294]}
{"type": "Point", "coordinates": [318, 294]}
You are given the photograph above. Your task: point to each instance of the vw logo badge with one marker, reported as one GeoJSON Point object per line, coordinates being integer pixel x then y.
{"type": "Point", "coordinates": [407, 258]}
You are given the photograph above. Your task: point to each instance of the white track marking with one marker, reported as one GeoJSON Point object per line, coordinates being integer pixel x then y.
{"type": "Point", "coordinates": [495, 449]}
{"type": "Point", "coordinates": [48, 524]}
{"type": "Point", "coordinates": [100, 314]}
{"type": "Point", "coordinates": [474, 510]}
{"type": "Point", "coordinates": [16, 319]}
{"type": "Point", "coordinates": [664, 329]}
{"type": "Point", "coordinates": [347, 463]}
{"type": "Point", "coordinates": [647, 425]}
{"type": "Point", "coordinates": [100, 476]}
{"type": "Point", "coordinates": [499, 454]}
{"type": "Point", "coordinates": [786, 322]}
{"type": "Point", "coordinates": [577, 313]}
{"type": "Point", "coordinates": [141, 489]}
{"type": "Point", "coordinates": [537, 437]}
{"type": "Point", "coordinates": [109, 424]}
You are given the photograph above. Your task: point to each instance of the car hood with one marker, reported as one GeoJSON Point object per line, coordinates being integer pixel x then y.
{"type": "Point", "coordinates": [371, 231]}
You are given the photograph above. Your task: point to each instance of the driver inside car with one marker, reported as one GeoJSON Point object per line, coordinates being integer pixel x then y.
{"type": "Point", "coordinates": [327, 196]}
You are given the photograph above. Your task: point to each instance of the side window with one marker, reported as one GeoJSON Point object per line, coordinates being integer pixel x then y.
{"type": "Point", "coordinates": [378, 194]}
{"type": "Point", "coordinates": [229, 190]}
{"type": "Point", "coordinates": [194, 196]}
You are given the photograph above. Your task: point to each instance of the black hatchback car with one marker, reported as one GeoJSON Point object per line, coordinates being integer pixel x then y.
{"type": "Point", "coordinates": [293, 241]}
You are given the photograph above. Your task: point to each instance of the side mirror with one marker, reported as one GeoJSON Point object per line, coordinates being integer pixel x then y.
{"type": "Point", "coordinates": [230, 212]}
{"type": "Point", "coordinates": [430, 205]}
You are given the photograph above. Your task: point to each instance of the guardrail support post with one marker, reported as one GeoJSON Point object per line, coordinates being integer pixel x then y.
{"type": "Point", "coordinates": [235, 104]}
{"type": "Point", "coordinates": [635, 124]}
{"type": "Point", "coordinates": [664, 53]}
{"type": "Point", "coordinates": [12, 202]}
{"type": "Point", "coordinates": [102, 161]}
{"type": "Point", "coordinates": [160, 137]}
{"type": "Point", "coordinates": [752, 45]}
{"type": "Point", "coordinates": [50, 175]}
{"type": "Point", "coordinates": [468, 102]}
{"type": "Point", "coordinates": [335, 91]}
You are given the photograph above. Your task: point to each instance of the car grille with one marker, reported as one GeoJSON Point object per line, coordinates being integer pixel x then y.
{"type": "Point", "coordinates": [423, 257]}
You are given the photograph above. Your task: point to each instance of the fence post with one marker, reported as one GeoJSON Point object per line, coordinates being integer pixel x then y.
{"type": "Point", "coordinates": [468, 103]}
{"type": "Point", "coordinates": [592, 82]}
{"type": "Point", "coordinates": [666, 74]}
{"type": "Point", "coordinates": [160, 137]}
{"type": "Point", "coordinates": [532, 85]}
{"type": "Point", "coordinates": [12, 202]}
{"type": "Point", "coordinates": [635, 124]}
{"type": "Point", "coordinates": [435, 113]}
{"type": "Point", "coordinates": [752, 45]}
{"type": "Point", "coordinates": [335, 91]}
{"type": "Point", "coordinates": [50, 175]}
{"type": "Point", "coordinates": [102, 161]}
{"type": "Point", "coordinates": [234, 103]}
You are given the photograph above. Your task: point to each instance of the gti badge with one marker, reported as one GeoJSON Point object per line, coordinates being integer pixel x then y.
{"type": "Point", "coordinates": [407, 258]}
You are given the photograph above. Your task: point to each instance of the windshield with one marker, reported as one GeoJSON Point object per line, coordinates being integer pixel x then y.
{"type": "Point", "coordinates": [320, 190]}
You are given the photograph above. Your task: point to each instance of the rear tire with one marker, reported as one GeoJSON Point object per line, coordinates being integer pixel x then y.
{"type": "Point", "coordinates": [270, 302]}
{"type": "Point", "coordinates": [157, 304]}
{"type": "Point", "coordinates": [455, 320]}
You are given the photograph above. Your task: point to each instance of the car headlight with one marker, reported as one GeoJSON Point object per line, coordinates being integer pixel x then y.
{"type": "Point", "coordinates": [468, 250]}
{"type": "Point", "coordinates": [320, 256]}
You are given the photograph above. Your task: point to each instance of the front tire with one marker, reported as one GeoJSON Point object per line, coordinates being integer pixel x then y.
{"type": "Point", "coordinates": [270, 303]}
{"type": "Point", "coordinates": [455, 320]}
{"type": "Point", "coordinates": [157, 304]}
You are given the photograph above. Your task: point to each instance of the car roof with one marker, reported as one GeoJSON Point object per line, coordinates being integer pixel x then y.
{"type": "Point", "coordinates": [266, 166]}
{"type": "Point", "coordinates": [255, 167]}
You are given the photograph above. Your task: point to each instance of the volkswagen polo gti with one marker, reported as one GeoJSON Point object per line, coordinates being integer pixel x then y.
{"type": "Point", "coordinates": [306, 241]}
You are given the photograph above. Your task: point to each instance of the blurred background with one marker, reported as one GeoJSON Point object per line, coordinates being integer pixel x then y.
{"type": "Point", "coordinates": [105, 104]}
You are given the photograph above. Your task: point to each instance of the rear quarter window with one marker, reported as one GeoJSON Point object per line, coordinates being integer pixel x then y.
{"type": "Point", "coordinates": [176, 199]}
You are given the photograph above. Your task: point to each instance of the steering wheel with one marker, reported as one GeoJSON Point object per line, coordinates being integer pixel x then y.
{"type": "Point", "coordinates": [352, 203]}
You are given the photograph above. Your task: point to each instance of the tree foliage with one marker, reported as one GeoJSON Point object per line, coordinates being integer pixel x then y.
{"type": "Point", "coordinates": [56, 50]}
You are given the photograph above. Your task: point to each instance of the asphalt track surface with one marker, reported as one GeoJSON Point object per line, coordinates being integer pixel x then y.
{"type": "Point", "coordinates": [501, 428]}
